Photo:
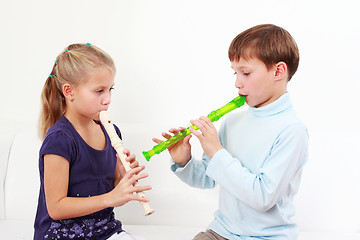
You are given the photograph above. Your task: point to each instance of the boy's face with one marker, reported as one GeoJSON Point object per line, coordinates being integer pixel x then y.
{"type": "Point", "coordinates": [256, 82]}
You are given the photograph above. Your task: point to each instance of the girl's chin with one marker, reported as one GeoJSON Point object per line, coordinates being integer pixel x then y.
{"type": "Point", "coordinates": [97, 117]}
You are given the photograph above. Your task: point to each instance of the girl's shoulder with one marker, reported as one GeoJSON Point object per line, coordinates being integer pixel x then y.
{"type": "Point", "coordinates": [61, 126]}
{"type": "Point", "coordinates": [60, 140]}
{"type": "Point", "coordinates": [61, 132]}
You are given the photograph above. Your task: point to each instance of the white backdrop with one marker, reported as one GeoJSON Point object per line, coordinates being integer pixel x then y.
{"type": "Point", "coordinates": [171, 58]}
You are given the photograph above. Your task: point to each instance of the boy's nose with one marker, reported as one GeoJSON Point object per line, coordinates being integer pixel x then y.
{"type": "Point", "coordinates": [238, 83]}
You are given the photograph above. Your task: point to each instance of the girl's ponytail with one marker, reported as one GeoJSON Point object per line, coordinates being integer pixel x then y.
{"type": "Point", "coordinates": [53, 105]}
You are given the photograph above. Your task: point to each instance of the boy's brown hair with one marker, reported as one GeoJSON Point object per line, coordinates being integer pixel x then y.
{"type": "Point", "coordinates": [269, 43]}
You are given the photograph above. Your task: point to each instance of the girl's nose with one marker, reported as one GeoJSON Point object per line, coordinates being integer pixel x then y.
{"type": "Point", "coordinates": [107, 99]}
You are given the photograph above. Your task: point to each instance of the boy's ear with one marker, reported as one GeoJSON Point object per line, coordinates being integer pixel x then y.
{"type": "Point", "coordinates": [280, 71]}
{"type": "Point", "coordinates": [68, 91]}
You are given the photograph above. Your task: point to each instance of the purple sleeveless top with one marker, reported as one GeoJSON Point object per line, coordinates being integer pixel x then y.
{"type": "Point", "coordinates": [91, 173]}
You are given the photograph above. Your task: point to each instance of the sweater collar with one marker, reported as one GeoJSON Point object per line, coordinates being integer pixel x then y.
{"type": "Point", "coordinates": [281, 104]}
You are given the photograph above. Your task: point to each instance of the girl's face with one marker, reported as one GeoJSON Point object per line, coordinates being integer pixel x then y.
{"type": "Point", "coordinates": [94, 94]}
{"type": "Point", "coordinates": [255, 81]}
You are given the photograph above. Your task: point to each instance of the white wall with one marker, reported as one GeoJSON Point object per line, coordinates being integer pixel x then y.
{"type": "Point", "coordinates": [172, 60]}
{"type": "Point", "coordinates": [175, 52]}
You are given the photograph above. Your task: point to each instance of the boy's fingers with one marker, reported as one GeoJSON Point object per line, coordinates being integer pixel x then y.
{"type": "Point", "coordinates": [196, 133]}
{"type": "Point", "coordinates": [206, 120]}
{"type": "Point", "coordinates": [166, 135]}
{"type": "Point", "coordinates": [157, 140]}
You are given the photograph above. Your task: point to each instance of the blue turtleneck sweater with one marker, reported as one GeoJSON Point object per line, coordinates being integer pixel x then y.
{"type": "Point", "coordinates": [258, 170]}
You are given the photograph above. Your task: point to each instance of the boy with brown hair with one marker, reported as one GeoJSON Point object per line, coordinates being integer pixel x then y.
{"type": "Point", "coordinates": [258, 155]}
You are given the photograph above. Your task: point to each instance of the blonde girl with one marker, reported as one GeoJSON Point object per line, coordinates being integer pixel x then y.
{"type": "Point", "coordinates": [81, 178]}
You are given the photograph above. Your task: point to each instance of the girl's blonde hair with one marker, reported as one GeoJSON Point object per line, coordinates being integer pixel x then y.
{"type": "Point", "coordinates": [72, 66]}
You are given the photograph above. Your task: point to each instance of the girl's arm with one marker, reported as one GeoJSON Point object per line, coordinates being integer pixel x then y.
{"type": "Point", "coordinates": [60, 206]}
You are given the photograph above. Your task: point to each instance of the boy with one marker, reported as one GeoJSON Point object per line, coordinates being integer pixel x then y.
{"type": "Point", "coordinates": [258, 155]}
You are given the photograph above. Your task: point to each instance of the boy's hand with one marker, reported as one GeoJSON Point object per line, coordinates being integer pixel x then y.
{"type": "Point", "coordinates": [207, 135]}
{"type": "Point", "coordinates": [180, 151]}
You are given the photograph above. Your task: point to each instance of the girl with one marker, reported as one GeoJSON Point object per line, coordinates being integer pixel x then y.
{"type": "Point", "coordinates": [82, 179]}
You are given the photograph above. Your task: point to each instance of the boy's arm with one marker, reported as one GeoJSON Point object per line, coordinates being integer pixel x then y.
{"type": "Point", "coordinates": [194, 173]}
{"type": "Point", "coordinates": [264, 189]}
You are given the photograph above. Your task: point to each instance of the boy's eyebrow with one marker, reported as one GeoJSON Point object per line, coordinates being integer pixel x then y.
{"type": "Point", "coordinates": [240, 67]}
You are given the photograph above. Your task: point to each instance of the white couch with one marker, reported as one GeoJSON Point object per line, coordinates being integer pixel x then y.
{"type": "Point", "coordinates": [327, 203]}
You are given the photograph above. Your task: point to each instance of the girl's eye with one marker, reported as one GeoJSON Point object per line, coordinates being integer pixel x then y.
{"type": "Point", "coordinates": [235, 73]}
{"type": "Point", "coordinates": [99, 91]}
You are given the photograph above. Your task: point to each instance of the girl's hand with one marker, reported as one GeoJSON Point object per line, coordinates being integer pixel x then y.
{"type": "Point", "coordinates": [181, 151]}
{"type": "Point", "coordinates": [124, 191]}
{"type": "Point", "coordinates": [207, 135]}
{"type": "Point", "coordinates": [130, 158]}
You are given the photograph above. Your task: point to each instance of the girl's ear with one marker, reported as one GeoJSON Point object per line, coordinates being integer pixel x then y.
{"type": "Point", "coordinates": [68, 91]}
{"type": "Point", "coordinates": [281, 71]}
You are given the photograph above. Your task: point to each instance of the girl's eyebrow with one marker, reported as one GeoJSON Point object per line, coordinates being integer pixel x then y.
{"type": "Point", "coordinates": [103, 86]}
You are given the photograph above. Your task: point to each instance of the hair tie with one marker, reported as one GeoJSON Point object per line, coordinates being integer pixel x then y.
{"type": "Point", "coordinates": [66, 50]}
{"type": "Point", "coordinates": [88, 44]}
{"type": "Point", "coordinates": [50, 75]}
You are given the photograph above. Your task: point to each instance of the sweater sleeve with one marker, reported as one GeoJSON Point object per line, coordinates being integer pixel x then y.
{"type": "Point", "coordinates": [194, 173]}
{"type": "Point", "coordinates": [264, 189]}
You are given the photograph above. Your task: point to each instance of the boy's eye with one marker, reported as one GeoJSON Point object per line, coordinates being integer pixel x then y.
{"type": "Point", "coordinates": [246, 74]}
{"type": "Point", "coordinates": [111, 89]}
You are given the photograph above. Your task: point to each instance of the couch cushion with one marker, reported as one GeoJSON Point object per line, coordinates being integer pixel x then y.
{"type": "Point", "coordinates": [22, 177]}
{"type": "Point", "coordinates": [9, 229]}
{"type": "Point", "coordinates": [329, 195]}
{"type": "Point", "coordinates": [6, 139]}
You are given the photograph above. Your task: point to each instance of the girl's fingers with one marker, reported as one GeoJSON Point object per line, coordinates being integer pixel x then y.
{"type": "Point", "coordinates": [138, 189]}
{"type": "Point", "coordinates": [131, 158]}
{"type": "Point", "coordinates": [140, 199]}
{"type": "Point", "coordinates": [137, 177]}
{"type": "Point", "coordinates": [133, 172]}
{"type": "Point", "coordinates": [134, 164]}
{"type": "Point", "coordinates": [126, 152]}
